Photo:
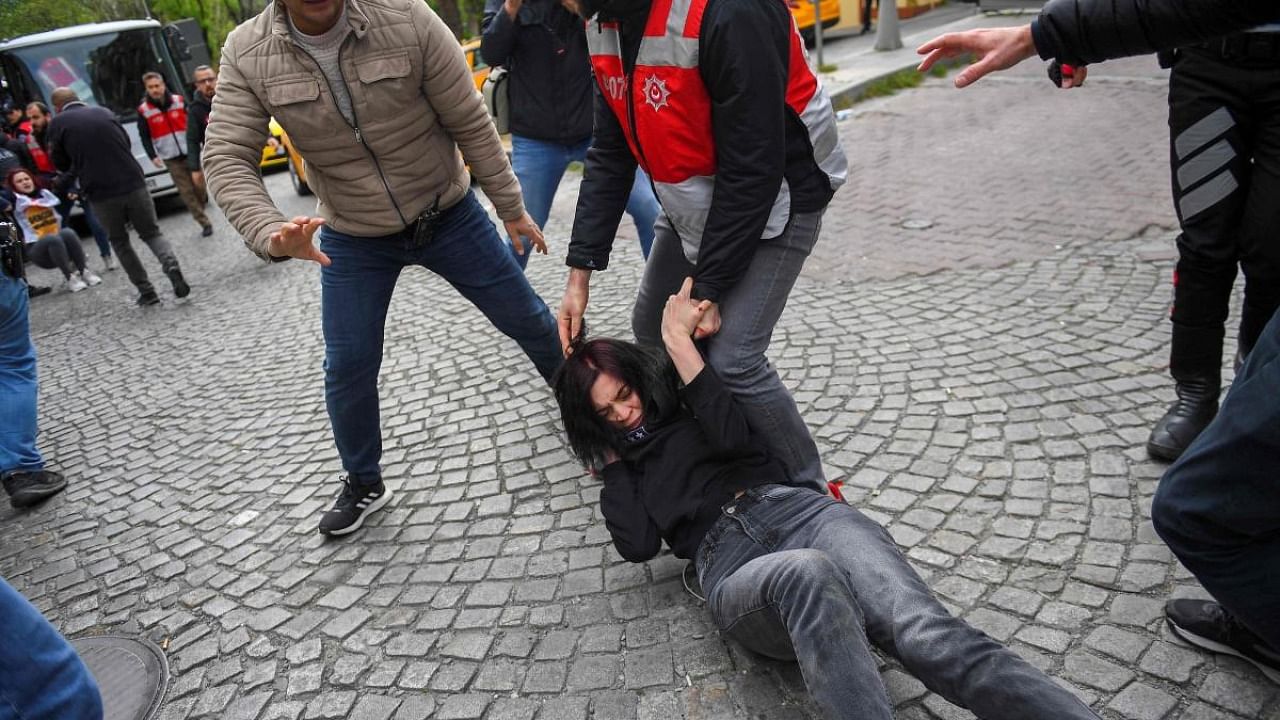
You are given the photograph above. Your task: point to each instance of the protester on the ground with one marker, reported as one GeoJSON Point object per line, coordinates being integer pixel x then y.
{"type": "Point", "coordinates": [64, 185]}
{"type": "Point", "coordinates": [41, 676]}
{"type": "Point", "coordinates": [385, 141]}
{"type": "Point", "coordinates": [49, 244]}
{"type": "Point", "coordinates": [23, 474]}
{"type": "Point", "coordinates": [162, 127]}
{"type": "Point", "coordinates": [89, 143]}
{"type": "Point", "coordinates": [788, 572]}
{"type": "Point", "coordinates": [740, 141]}
{"type": "Point", "coordinates": [206, 82]}
{"type": "Point", "coordinates": [543, 45]}
{"type": "Point", "coordinates": [1218, 506]}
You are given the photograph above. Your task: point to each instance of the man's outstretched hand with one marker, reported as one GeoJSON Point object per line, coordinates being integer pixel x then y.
{"type": "Point", "coordinates": [995, 48]}
{"type": "Point", "coordinates": [293, 239]}
{"type": "Point", "coordinates": [525, 227]}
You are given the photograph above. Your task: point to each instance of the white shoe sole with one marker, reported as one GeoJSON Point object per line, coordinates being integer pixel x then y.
{"type": "Point", "coordinates": [376, 505]}
{"type": "Point", "coordinates": [1199, 641]}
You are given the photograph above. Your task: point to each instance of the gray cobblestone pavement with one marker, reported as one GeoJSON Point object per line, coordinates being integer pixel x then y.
{"type": "Point", "coordinates": [985, 386]}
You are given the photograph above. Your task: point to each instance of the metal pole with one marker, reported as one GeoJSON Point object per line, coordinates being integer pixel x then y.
{"type": "Point", "coordinates": [817, 31]}
{"type": "Point", "coordinates": [887, 35]}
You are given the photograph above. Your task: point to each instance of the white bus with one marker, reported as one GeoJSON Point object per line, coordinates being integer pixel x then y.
{"type": "Point", "coordinates": [103, 63]}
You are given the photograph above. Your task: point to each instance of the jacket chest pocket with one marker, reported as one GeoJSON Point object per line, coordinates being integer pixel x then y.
{"type": "Point", "coordinates": [294, 102]}
{"type": "Point", "coordinates": [386, 81]}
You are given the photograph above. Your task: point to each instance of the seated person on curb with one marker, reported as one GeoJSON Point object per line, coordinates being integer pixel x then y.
{"type": "Point", "coordinates": [49, 245]}
{"type": "Point", "coordinates": [788, 572]}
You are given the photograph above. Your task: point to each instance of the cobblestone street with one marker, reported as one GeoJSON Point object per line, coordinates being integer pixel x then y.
{"type": "Point", "coordinates": [985, 386]}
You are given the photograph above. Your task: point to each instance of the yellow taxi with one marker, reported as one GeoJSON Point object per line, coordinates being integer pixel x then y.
{"type": "Point", "coordinates": [274, 154]}
{"type": "Point", "coordinates": [298, 165]}
{"type": "Point", "coordinates": [802, 10]}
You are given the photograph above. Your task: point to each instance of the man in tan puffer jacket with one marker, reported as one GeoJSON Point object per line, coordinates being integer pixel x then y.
{"type": "Point", "coordinates": [377, 96]}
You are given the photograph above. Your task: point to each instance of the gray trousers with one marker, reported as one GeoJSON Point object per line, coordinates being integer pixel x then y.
{"type": "Point", "coordinates": [137, 208]}
{"type": "Point", "coordinates": [748, 313]}
{"type": "Point", "coordinates": [61, 250]}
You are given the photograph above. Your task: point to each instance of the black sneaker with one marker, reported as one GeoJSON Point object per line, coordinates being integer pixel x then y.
{"type": "Point", "coordinates": [1205, 624]}
{"type": "Point", "coordinates": [148, 298]}
{"type": "Point", "coordinates": [26, 488]}
{"type": "Point", "coordinates": [354, 503]}
{"type": "Point", "coordinates": [38, 290]}
{"type": "Point", "coordinates": [206, 231]}
{"type": "Point", "coordinates": [180, 287]}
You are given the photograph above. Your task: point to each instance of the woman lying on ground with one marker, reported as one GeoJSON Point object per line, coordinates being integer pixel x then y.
{"type": "Point", "coordinates": [788, 572]}
{"type": "Point", "coordinates": [48, 244]}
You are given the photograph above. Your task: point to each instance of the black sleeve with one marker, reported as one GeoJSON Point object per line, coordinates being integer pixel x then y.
{"type": "Point", "coordinates": [717, 412]}
{"type": "Point", "coordinates": [195, 137]}
{"type": "Point", "coordinates": [57, 153]}
{"type": "Point", "coordinates": [634, 534]}
{"type": "Point", "coordinates": [144, 134]}
{"type": "Point", "coordinates": [607, 177]}
{"type": "Point", "coordinates": [743, 58]}
{"type": "Point", "coordinates": [1089, 31]}
{"type": "Point", "coordinates": [497, 34]}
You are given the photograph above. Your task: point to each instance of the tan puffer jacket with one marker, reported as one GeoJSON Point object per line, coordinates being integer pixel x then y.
{"type": "Point", "coordinates": [415, 103]}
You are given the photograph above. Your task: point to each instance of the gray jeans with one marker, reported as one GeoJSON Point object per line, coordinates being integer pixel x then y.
{"type": "Point", "coordinates": [748, 313]}
{"type": "Point", "coordinates": [61, 250]}
{"type": "Point", "coordinates": [795, 575]}
{"type": "Point", "coordinates": [138, 208]}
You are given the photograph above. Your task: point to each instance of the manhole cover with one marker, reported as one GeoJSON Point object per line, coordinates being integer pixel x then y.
{"type": "Point", "coordinates": [132, 674]}
{"type": "Point", "coordinates": [916, 224]}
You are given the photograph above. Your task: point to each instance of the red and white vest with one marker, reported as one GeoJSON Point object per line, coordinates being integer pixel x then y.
{"type": "Point", "coordinates": [168, 126]}
{"type": "Point", "coordinates": [41, 158]}
{"type": "Point", "coordinates": [672, 136]}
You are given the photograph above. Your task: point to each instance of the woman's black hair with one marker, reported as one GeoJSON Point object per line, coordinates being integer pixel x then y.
{"type": "Point", "coordinates": [647, 372]}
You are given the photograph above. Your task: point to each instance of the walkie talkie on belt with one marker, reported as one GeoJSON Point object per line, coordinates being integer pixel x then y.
{"type": "Point", "coordinates": [11, 247]}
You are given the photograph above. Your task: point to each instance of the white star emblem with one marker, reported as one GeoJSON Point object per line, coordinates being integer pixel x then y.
{"type": "Point", "coordinates": [655, 93]}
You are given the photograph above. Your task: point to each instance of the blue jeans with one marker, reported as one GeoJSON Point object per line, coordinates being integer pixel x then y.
{"type": "Point", "coordinates": [1218, 506]}
{"type": "Point", "coordinates": [40, 674]}
{"type": "Point", "coordinates": [795, 575]}
{"type": "Point", "coordinates": [748, 313]}
{"type": "Point", "coordinates": [17, 381]}
{"type": "Point", "coordinates": [356, 290]}
{"type": "Point", "coordinates": [540, 164]}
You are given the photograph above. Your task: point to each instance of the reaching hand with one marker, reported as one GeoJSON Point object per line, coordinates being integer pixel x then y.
{"type": "Point", "coordinates": [293, 239]}
{"type": "Point", "coordinates": [197, 177]}
{"type": "Point", "coordinates": [995, 48]}
{"type": "Point", "coordinates": [573, 306]}
{"type": "Point", "coordinates": [157, 162]}
{"type": "Point", "coordinates": [525, 227]}
{"type": "Point", "coordinates": [683, 315]}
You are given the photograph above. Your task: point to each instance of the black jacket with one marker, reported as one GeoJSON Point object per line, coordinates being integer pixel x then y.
{"type": "Point", "coordinates": [90, 144]}
{"type": "Point", "coordinates": [743, 56]}
{"type": "Point", "coordinates": [549, 72]}
{"type": "Point", "coordinates": [197, 120]}
{"type": "Point", "coordinates": [1088, 31]}
{"type": "Point", "coordinates": [672, 480]}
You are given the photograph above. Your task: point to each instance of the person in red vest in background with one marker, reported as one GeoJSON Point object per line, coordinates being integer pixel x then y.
{"type": "Point", "coordinates": [715, 100]}
{"type": "Point", "coordinates": [162, 126]}
{"type": "Point", "coordinates": [64, 185]}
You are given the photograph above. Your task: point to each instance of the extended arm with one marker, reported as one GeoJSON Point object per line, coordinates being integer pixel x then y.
{"type": "Point", "coordinates": [634, 534]}
{"type": "Point", "coordinates": [1084, 31]}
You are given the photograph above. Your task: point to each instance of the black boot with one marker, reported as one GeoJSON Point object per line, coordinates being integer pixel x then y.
{"type": "Point", "coordinates": [1195, 361]}
{"type": "Point", "coordinates": [1196, 405]}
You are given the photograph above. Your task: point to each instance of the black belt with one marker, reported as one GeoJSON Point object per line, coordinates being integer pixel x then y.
{"type": "Point", "coordinates": [1249, 47]}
